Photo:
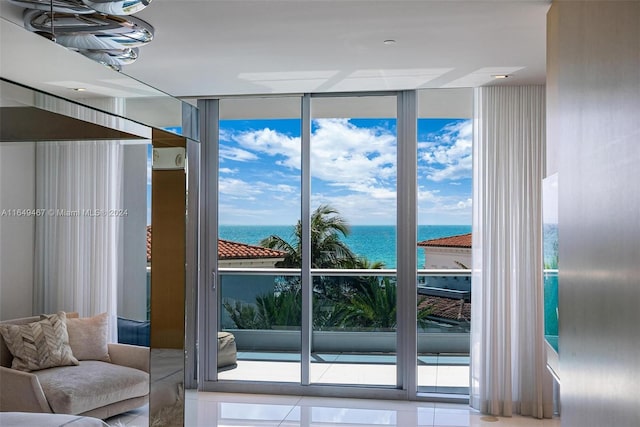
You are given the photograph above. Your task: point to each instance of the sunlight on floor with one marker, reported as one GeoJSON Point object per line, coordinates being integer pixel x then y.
{"type": "Point", "coordinates": [439, 376]}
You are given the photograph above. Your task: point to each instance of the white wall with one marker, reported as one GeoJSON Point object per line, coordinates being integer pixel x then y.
{"type": "Point", "coordinates": [593, 81]}
{"type": "Point", "coordinates": [17, 191]}
{"type": "Point", "coordinates": [132, 284]}
{"type": "Point", "coordinates": [446, 257]}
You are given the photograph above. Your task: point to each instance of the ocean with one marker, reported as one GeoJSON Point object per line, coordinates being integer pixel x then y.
{"type": "Point", "coordinates": [374, 242]}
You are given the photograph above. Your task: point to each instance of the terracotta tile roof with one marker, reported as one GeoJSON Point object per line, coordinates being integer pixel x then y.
{"type": "Point", "coordinates": [460, 241]}
{"type": "Point", "coordinates": [447, 308]}
{"type": "Point", "coordinates": [234, 250]}
{"type": "Point", "coordinates": [231, 250]}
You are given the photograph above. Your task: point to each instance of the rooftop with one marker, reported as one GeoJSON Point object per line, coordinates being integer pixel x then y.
{"type": "Point", "coordinates": [234, 250]}
{"type": "Point", "coordinates": [447, 308]}
{"type": "Point", "coordinates": [460, 241]}
{"type": "Point", "coordinates": [231, 250]}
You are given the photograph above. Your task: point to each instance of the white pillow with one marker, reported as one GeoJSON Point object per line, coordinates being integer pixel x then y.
{"type": "Point", "coordinates": [88, 337]}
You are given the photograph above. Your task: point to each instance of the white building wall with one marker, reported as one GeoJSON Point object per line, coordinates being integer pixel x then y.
{"type": "Point", "coordinates": [445, 258]}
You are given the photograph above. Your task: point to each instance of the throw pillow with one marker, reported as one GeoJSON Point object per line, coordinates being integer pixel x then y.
{"type": "Point", "coordinates": [88, 337]}
{"type": "Point", "coordinates": [39, 345]}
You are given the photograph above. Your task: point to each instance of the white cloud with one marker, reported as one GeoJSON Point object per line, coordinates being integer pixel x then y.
{"type": "Point", "coordinates": [258, 202]}
{"type": "Point", "coordinates": [237, 154]}
{"type": "Point", "coordinates": [283, 188]}
{"type": "Point", "coordinates": [237, 189]}
{"type": "Point", "coordinates": [465, 204]}
{"type": "Point", "coordinates": [253, 214]}
{"type": "Point", "coordinates": [342, 155]}
{"type": "Point", "coordinates": [448, 154]}
{"type": "Point", "coordinates": [225, 135]}
{"type": "Point", "coordinates": [353, 169]}
{"type": "Point", "coordinates": [449, 205]}
{"type": "Point", "coordinates": [272, 143]}
{"type": "Point", "coordinates": [437, 207]}
{"type": "Point", "coordinates": [228, 170]}
{"type": "Point", "coordinates": [233, 188]}
{"type": "Point", "coordinates": [360, 208]}
{"type": "Point", "coordinates": [427, 195]}
{"type": "Point", "coordinates": [460, 169]}
{"type": "Point", "coordinates": [360, 159]}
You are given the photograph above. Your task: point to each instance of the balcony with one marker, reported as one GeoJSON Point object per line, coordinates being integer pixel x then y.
{"type": "Point", "coordinates": [350, 345]}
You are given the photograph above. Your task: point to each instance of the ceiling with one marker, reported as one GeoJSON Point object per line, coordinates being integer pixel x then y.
{"type": "Point", "coordinates": [232, 47]}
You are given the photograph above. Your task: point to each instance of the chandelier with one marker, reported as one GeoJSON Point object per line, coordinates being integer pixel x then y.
{"type": "Point", "coordinates": [102, 30]}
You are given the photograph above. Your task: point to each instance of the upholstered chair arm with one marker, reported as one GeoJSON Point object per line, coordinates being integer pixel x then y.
{"type": "Point", "coordinates": [21, 392]}
{"type": "Point", "coordinates": [133, 356]}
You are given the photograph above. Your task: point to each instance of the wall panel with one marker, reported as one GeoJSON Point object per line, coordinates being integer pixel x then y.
{"type": "Point", "coordinates": [594, 87]}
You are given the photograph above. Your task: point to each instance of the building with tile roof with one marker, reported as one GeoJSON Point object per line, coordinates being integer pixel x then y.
{"type": "Point", "coordinates": [237, 255]}
{"type": "Point", "coordinates": [447, 252]}
{"type": "Point", "coordinates": [448, 297]}
{"type": "Point", "coordinates": [449, 310]}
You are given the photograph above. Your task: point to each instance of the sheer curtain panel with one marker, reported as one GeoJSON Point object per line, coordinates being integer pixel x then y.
{"type": "Point", "coordinates": [508, 369]}
{"type": "Point", "coordinates": [79, 185]}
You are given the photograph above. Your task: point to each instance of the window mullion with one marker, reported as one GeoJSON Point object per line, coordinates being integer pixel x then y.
{"type": "Point", "coordinates": [305, 273]}
{"type": "Point", "coordinates": [208, 302]}
{"type": "Point", "coordinates": [406, 240]}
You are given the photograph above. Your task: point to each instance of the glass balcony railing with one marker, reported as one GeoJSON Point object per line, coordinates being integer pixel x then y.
{"type": "Point", "coordinates": [353, 319]}
{"type": "Point", "coordinates": [264, 313]}
{"type": "Point", "coordinates": [354, 327]}
{"type": "Point", "coordinates": [551, 307]}
{"type": "Point", "coordinates": [444, 324]}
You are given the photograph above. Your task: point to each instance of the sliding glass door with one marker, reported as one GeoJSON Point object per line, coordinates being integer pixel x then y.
{"type": "Point", "coordinates": [260, 302]}
{"type": "Point", "coordinates": [310, 262]}
{"type": "Point", "coordinates": [353, 165]}
{"type": "Point", "coordinates": [444, 240]}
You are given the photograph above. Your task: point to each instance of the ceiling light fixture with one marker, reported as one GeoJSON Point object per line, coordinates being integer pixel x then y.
{"type": "Point", "coordinates": [500, 76]}
{"type": "Point", "coordinates": [79, 89]}
{"type": "Point", "coordinates": [102, 30]}
{"type": "Point", "coordinates": [389, 42]}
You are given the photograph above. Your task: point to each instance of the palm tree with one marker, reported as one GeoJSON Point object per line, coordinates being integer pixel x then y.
{"type": "Point", "coordinates": [280, 310]}
{"type": "Point", "coordinates": [374, 305]}
{"type": "Point", "coordinates": [337, 301]}
{"type": "Point", "coordinates": [327, 248]}
{"type": "Point", "coordinates": [271, 310]}
{"type": "Point", "coordinates": [361, 263]}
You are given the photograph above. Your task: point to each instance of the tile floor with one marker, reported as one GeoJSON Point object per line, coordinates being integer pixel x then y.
{"type": "Point", "coordinates": [247, 410]}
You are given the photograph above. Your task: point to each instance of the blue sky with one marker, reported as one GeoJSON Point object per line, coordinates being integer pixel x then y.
{"type": "Point", "coordinates": [353, 168]}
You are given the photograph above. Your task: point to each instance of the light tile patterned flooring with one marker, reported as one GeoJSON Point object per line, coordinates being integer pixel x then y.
{"type": "Point", "coordinates": [247, 410]}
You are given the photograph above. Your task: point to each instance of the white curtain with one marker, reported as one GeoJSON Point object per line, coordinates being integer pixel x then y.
{"type": "Point", "coordinates": [508, 368]}
{"type": "Point", "coordinates": [78, 184]}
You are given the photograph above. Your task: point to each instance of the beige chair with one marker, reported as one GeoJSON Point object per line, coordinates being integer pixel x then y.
{"type": "Point", "coordinates": [93, 388]}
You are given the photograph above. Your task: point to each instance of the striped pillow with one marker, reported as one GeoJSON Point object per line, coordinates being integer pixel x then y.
{"type": "Point", "coordinates": [39, 345]}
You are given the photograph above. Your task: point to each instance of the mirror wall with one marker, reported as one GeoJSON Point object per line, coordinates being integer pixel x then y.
{"type": "Point", "coordinates": [88, 225]}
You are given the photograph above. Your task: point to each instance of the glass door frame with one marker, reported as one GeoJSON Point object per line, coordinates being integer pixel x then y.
{"type": "Point", "coordinates": [406, 221]}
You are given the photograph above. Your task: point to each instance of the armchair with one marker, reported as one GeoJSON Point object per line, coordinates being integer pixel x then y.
{"type": "Point", "coordinates": [93, 388]}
